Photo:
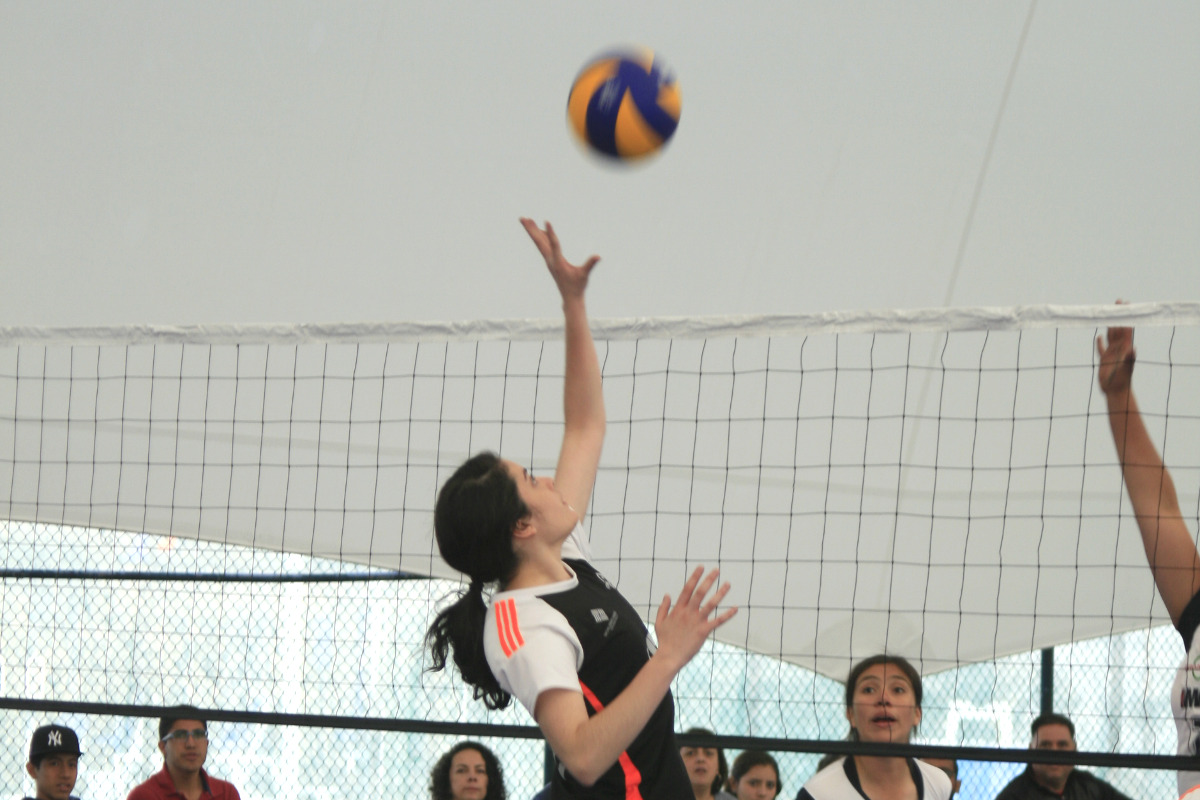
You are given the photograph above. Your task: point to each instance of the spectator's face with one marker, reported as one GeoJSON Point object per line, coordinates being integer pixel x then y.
{"type": "Point", "coordinates": [185, 753]}
{"type": "Point", "coordinates": [55, 776]}
{"type": "Point", "coordinates": [1053, 737]}
{"type": "Point", "coordinates": [884, 708]}
{"type": "Point", "coordinates": [759, 783]}
{"type": "Point", "coordinates": [701, 764]}
{"type": "Point", "coordinates": [468, 775]}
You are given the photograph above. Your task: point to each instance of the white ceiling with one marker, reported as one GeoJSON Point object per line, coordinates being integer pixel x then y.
{"type": "Point", "coordinates": [252, 161]}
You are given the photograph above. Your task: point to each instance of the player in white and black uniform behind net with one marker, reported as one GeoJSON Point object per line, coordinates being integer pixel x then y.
{"type": "Point", "coordinates": [883, 704]}
{"type": "Point", "coordinates": [1170, 549]}
{"type": "Point", "coordinates": [557, 635]}
{"type": "Point", "coordinates": [1185, 693]}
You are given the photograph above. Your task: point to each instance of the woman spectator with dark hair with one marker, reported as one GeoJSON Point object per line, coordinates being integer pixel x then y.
{"type": "Point", "coordinates": [706, 768]}
{"type": "Point", "coordinates": [467, 771]}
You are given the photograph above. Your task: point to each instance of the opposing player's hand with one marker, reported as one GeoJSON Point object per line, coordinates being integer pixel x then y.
{"type": "Point", "coordinates": [571, 279]}
{"type": "Point", "coordinates": [682, 628]}
{"type": "Point", "coordinates": [1116, 360]}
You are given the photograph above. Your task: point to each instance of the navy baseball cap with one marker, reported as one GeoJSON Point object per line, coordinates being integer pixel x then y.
{"type": "Point", "coordinates": [50, 739]}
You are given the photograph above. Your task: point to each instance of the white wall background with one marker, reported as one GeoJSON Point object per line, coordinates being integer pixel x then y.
{"type": "Point", "coordinates": [256, 161]}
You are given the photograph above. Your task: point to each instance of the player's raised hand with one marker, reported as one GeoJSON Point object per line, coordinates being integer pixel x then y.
{"type": "Point", "coordinates": [571, 279]}
{"type": "Point", "coordinates": [682, 628]}
{"type": "Point", "coordinates": [1116, 359]}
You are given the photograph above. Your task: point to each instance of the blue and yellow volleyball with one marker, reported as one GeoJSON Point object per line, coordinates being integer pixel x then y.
{"type": "Point", "coordinates": [624, 105]}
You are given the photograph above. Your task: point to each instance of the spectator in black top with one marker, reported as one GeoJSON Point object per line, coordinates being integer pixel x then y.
{"type": "Point", "coordinates": [1056, 732]}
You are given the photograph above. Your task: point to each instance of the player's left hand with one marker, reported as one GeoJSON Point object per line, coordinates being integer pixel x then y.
{"type": "Point", "coordinates": [570, 278]}
{"type": "Point", "coordinates": [1116, 359]}
{"type": "Point", "coordinates": [682, 628]}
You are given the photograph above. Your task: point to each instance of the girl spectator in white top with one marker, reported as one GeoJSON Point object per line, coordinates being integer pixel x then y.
{"type": "Point", "coordinates": [883, 704]}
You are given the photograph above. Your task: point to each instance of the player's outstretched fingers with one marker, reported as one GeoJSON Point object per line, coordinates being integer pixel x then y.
{"type": "Point", "coordinates": [724, 617]}
{"type": "Point", "coordinates": [706, 585]}
{"type": "Point", "coordinates": [555, 247]}
{"type": "Point", "coordinates": [664, 610]}
{"type": "Point", "coordinates": [709, 607]}
{"type": "Point", "coordinates": [689, 587]}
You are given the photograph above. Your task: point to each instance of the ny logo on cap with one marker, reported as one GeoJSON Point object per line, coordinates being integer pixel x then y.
{"type": "Point", "coordinates": [54, 739]}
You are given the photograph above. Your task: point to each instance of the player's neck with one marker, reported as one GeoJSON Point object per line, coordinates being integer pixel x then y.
{"type": "Point", "coordinates": [1057, 787]}
{"type": "Point", "coordinates": [187, 783]}
{"type": "Point", "coordinates": [884, 776]}
{"type": "Point", "coordinates": [539, 566]}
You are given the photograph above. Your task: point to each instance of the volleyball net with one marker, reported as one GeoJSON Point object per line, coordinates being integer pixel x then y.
{"type": "Point", "coordinates": [240, 518]}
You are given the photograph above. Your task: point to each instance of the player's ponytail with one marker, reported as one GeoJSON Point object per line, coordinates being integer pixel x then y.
{"type": "Point", "coordinates": [476, 513]}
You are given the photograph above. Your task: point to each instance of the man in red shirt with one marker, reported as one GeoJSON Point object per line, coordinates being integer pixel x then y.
{"type": "Point", "coordinates": [183, 740]}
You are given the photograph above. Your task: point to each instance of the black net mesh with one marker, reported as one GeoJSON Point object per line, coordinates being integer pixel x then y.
{"type": "Point", "coordinates": [948, 495]}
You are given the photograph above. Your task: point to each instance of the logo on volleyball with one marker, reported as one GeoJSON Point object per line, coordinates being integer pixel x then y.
{"type": "Point", "coordinates": [1194, 667]}
{"type": "Point", "coordinates": [610, 93]}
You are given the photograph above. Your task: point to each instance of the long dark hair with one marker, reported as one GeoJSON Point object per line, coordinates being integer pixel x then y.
{"type": "Point", "coordinates": [722, 765]}
{"type": "Point", "coordinates": [439, 779]}
{"type": "Point", "coordinates": [477, 510]}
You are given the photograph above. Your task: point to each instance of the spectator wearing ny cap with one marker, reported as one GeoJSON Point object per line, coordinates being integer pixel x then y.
{"type": "Point", "coordinates": [54, 762]}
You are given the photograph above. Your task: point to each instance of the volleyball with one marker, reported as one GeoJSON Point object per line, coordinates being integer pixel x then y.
{"type": "Point", "coordinates": [1191, 794]}
{"type": "Point", "coordinates": [624, 105]}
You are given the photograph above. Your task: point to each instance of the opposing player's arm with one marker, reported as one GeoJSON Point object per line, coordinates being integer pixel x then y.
{"type": "Point", "coordinates": [589, 746]}
{"type": "Point", "coordinates": [583, 398]}
{"type": "Point", "coordinates": [1170, 549]}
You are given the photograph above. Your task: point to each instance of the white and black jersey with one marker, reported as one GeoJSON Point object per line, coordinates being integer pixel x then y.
{"type": "Point", "coordinates": [582, 635]}
{"type": "Point", "coordinates": [839, 781]}
{"type": "Point", "coordinates": [1185, 694]}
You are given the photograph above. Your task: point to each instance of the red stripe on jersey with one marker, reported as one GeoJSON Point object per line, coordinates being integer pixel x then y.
{"type": "Point", "coordinates": [516, 629]}
{"type": "Point", "coordinates": [633, 776]}
{"type": "Point", "coordinates": [506, 623]}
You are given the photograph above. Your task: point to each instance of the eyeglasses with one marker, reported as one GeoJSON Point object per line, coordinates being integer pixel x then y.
{"type": "Point", "coordinates": [182, 736]}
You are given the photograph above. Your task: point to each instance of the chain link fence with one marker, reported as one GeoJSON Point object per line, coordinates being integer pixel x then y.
{"type": "Point", "coordinates": [95, 619]}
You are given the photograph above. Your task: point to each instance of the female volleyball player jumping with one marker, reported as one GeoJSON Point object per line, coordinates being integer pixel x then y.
{"type": "Point", "coordinates": [1170, 549]}
{"type": "Point", "coordinates": [556, 633]}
